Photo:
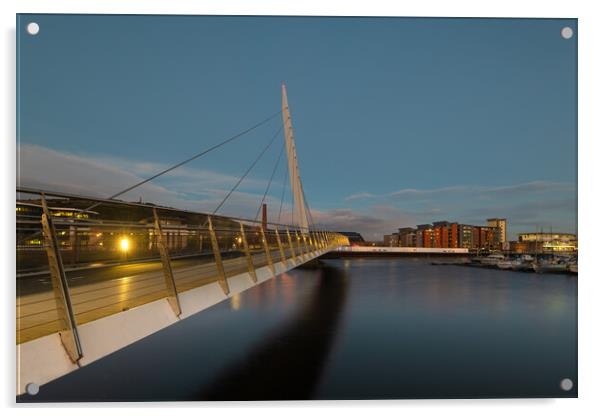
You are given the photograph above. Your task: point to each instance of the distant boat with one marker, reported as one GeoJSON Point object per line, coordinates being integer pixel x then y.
{"type": "Point", "coordinates": [523, 263]}
{"type": "Point", "coordinates": [526, 257]}
{"type": "Point", "coordinates": [505, 264]}
{"type": "Point", "coordinates": [549, 267]}
{"type": "Point", "coordinates": [572, 267]}
{"type": "Point", "coordinates": [492, 259]}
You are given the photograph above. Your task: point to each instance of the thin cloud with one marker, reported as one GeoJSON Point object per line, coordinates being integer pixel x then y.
{"type": "Point", "coordinates": [360, 196]}
{"type": "Point", "coordinates": [507, 190]}
{"type": "Point", "coordinates": [185, 174]}
{"type": "Point", "coordinates": [445, 190]}
{"type": "Point", "coordinates": [201, 190]}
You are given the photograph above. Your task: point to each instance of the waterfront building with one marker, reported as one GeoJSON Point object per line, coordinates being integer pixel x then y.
{"type": "Point", "coordinates": [476, 237]}
{"type": "Point", "coordinates": [391, 240]}
{"type": "Point", "coordinates": [500, 225]}
{"type": "Point", "coordinates": [65, 237]}
{"type": "Point", "coordinates": [516, 247]}
{"type": "Point", "coordinates": [549, 242]}
{"type": "Point", "coordinates": [444, 237]}
{"type": "Point", "coordinates": [427, 239]}
{"type": "Point", "coordinates": [424, 235]}
{"type": "Point", "coordinates": [465, 236]}
{"type": "Point", "coordinates": [445, 234]}
{"type": "Point", "coordinates": [440, 234]}
{"type": "Point", "coordinates": [489, 238]}
{"type": "Point", "coordinates": [453, 235]}
{"type": "Point", "coordinates": [407, 237]}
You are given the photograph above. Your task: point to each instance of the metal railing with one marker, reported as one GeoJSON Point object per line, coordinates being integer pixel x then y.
{"type": "Point", "coordinates": [75, 266]}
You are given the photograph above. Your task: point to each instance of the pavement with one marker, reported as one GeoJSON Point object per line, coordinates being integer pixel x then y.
{"type": "Point", "coordinates": [102, 291]}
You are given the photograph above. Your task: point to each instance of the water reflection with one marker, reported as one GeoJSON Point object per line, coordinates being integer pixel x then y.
{"type": "Point", "coordinates": [288, 363]}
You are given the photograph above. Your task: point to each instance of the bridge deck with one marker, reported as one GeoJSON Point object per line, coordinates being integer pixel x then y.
{"type": "Point", "coordinates": [99, 293]}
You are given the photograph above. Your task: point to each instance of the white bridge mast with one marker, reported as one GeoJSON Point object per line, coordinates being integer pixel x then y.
{"type": "Point", "coordinates": [300, 214]}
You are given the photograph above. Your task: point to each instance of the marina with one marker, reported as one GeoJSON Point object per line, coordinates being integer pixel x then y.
{"type": "Point", "coordinates": [522, 263]}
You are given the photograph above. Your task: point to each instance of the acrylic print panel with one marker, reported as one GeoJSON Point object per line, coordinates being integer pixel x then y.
{"type": "Point", "coordinates": [274, 208]}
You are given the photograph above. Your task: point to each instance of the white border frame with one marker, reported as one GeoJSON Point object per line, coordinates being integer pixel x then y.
{"type": "Point", "coordinates": [590, 135]}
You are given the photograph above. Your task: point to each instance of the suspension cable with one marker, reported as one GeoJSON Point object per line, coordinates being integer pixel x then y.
{"type": "Point", "coordinates": [310, 219]}
{"type": "Point", "coordinates": [267, 189]}
{"type": "Point", "coordinates": [246, 173]}
{"type": "Point", "coordinates": [190, 159]}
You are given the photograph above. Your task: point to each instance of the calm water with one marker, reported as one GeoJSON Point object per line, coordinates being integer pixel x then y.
{"type": "Point", "coordinates": [356, 328]}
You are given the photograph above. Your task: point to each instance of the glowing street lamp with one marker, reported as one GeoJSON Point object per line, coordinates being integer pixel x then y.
{"type": "Point", "coordinates": [124, 244]}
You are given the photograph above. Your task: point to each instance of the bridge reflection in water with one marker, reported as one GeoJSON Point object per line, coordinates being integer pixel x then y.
{"type": "Point", "coordinates": [288, 363]}
{"type": "Point", "coordinates": [291, 324]}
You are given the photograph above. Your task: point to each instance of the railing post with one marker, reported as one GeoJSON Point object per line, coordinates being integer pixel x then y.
{"type": "Point", "coordinates": [290, 246]}
{"type": "Point", "coordinates": [282, 255]}
{"type": "Point", "coordinates": [300, 246]}
{"type": "Point", "coordinates": [267, 251]}
{"type": "Point", "coordinates": [170, 283]}
{"type": "Point", "coordinates": [217, 256]}
{"type": "Point", "coordinates": [307, 250]}
{"type": "Point", "coordinates": [69, 335]}
{"type": "Point", "coordinates": [250, 264]}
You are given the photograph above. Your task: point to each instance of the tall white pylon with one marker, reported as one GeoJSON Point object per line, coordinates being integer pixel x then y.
{"type": "Point", "coordinates": [300, 214]}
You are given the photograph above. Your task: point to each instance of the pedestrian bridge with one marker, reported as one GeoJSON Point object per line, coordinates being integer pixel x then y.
{"type": "Point", "coordinates": [119, 281]}
{"type": "Point", "coordinates": [97, 274]}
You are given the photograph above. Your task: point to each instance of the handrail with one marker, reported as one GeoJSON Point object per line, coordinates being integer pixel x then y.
{"type": "Point", "coordinates": [65, 195]}
{"type": "Point", "coordinates": [191, 256]}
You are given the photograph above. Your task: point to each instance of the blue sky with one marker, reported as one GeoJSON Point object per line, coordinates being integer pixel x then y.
{"type": "Point", "coordinates": [398, 121]}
